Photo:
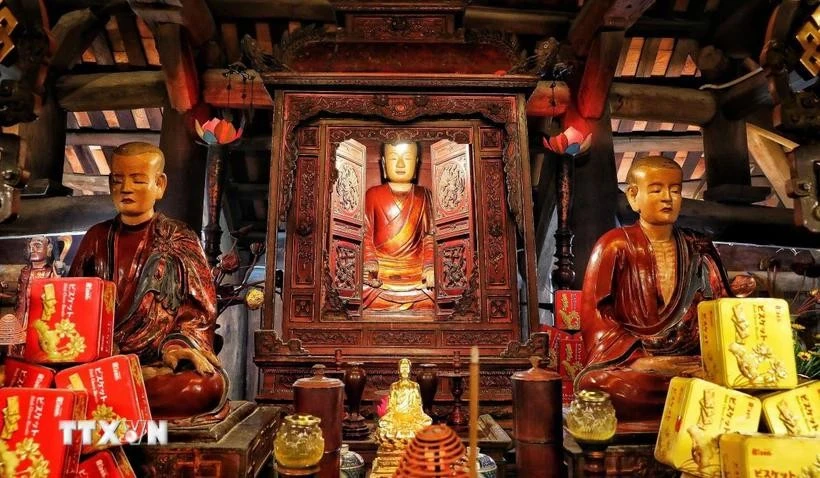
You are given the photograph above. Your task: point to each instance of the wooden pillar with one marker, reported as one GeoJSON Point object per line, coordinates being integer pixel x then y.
{"type": "Point", "coordinates": [43, 144]}
{"type": "Point", "coordinates": [594, 195]}
{"type": "Point", "coordinates": [728, 178]}
{"type": "Point", "coordinates": [185, 167]}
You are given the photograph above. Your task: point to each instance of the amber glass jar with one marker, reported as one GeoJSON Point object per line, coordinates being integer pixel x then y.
{"type": "Point", "coordinates": [299, 442]}
{"type": "Point", "coordinates": [591, 417]}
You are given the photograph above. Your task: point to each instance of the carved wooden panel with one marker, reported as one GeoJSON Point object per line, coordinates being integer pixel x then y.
{"type": "Point", "coordinates": [302, 308]}
{"type": "Point", "coordinates": [476, 337]}
{"type": "Point", "coordinates": [453, 215]}
{"type": "Point", "coordinates": [402, 28]}
{"type": "Point", "coordinates": [403, 338]}
{"type": "Point", "coordinates": [495, 224]}
{"type": "Point", "coordinates": [491, 139]}
{"type": "Point", "coordinates": [499, 309]}
{"type": "Point", "coordinates": [347, 185]}
{"type": "Point", "coordinates": [305, 256]}
{"type": "Point", "coordinates": [327, 336]}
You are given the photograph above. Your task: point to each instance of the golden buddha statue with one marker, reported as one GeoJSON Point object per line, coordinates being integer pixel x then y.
{"type": "Point", "coordinates": [404, 415]}
{"type": "Point", "coordinates": [398, 241]}
{"type": "Point", "coordinates": [399, 425]}
{"type": "Point", "coordinates": [640, 295]}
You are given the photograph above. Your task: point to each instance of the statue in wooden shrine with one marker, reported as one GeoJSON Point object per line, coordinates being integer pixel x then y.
{"type": "Point", "coordinates": [41, 263]}
{"type": "Point", "coordinates": [640, 296]}
{"type": "Point", "coordinates": [166, 304]}
{"type": "Point", "coordinates": [405, 415]}
{"type": "Point", "coordinates": [398, 240]}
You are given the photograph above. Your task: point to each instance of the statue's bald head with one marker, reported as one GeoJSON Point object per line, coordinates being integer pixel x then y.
{"type": "Point", "coordinates": [640, 167]}
{"type": "Point", "coordinates": [150, 153]}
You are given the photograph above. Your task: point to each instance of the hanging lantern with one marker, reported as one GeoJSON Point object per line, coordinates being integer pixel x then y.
{"type": "Point", "coordinates": [571, 142]}
{"type": "Point", "coordinates": [217, 131]}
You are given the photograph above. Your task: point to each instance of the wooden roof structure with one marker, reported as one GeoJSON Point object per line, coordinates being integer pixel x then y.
{"type": "Point", "coordinates": [661, 48]}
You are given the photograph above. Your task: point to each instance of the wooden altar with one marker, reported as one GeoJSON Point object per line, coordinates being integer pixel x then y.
{"type": "Point", "coordinates": [471, 129]}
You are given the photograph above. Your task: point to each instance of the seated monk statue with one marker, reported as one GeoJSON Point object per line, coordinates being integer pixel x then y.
{"type": "Point", "coordinates": [641, 290]}
{"type": "Point", "coordinates": [166, 304]}
{"type": "Point", "coordinates": [404, 415]}
{"type": "Point", "coordinates": [398, 241]}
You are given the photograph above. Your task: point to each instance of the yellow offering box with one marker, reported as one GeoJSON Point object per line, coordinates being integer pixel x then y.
{"type": "Point", "coordinates": [747, 343]}
{"type": "Point", "coordinates": [696, 413]}
{"type": "Point", "coordinates": [795, 412]}
{"type": "Point", "coordinates": [764, 456]}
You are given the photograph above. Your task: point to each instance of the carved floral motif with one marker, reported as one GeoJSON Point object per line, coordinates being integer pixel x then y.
{"type": "Point", "coordinates": [347, 188]}
{"type": "Point", "coordinates": [496, 246]}
{"type": "Point", "coordinates": [454, 267]}
{"type": "Point", "coordinates": [345, 268]}
{"type": "Point", "coordinates": [451, 186]}
{"type": "Point", "coordinates": [267, 342]}
{"type": "Point", "coordinates": [321, 337]}
{"type": "Point", "coordinates": [467, 337]}
{"type": "Point", "coordinates": [399, 28]}
{"type": "Point", "coordinates": [403, 337]}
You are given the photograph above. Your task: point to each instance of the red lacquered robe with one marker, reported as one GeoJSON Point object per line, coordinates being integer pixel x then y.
{"type": "Point", "coordinates": [623, 316]}
{"type": "Point", "coordinates": [398, 237]}
{"type": "Point", "coordinates": [165, 300]}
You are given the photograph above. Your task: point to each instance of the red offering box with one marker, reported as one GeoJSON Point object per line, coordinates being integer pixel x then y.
{"type": "Point", "coordinates": [71, 320]}
{"type": "Point", "coordinates": [106, 464]}
{"type": "Point", "coordinates": [570, 356]}
{"type": "Point", "coordinates": [30, 435]}
{"type": "Point", "coordinates": [568, 309]}
{"type": "Point", "coordinates": [116, 391]}
{"type": "Point", "coordinates": [22, 374]}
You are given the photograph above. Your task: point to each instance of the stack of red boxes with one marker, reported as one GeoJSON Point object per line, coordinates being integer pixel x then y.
{"type": "Point", "coordinates": [71, 322]}
{"type": "Point", "coordinates": [566, 345]}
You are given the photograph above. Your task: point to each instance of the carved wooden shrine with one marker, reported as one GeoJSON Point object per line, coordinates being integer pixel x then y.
{"type": "Point", "coordinates": [327, 132]}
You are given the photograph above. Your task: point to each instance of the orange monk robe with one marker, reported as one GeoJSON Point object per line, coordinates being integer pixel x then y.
{"type": "Point", "coordinates": [623, 316]}
{"type": "Point", "coordinates": [398, 236]}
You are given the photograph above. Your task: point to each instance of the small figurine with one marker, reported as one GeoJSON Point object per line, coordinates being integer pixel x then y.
{"type": "Point", "coordinates": [398, 241]}
{"type": "Point", "coordinates": [640, 296]}
{"type": "Point", "coordinates": [41, 263]}
{"type": "Point", "coordinates": [166, 305]}
{"type": "Point", "coordinates": [399, 425]}
{"type": "Point", "coordinates": [405, 415]}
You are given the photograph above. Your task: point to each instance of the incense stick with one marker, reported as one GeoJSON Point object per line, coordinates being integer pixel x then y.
{"type": "Point", "coordinates": [473, 454]}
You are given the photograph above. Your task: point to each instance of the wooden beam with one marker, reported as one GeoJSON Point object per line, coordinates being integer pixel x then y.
{"type": "Point", "coordinates": [43, 143]}
{"type": "Point", "coordinates": [525, 22]}
{"type": "Point", "coordinates": [185, 167]}
{"type": "Point", "coordinates": [772, 161]}
{"type": "Point", "coordinates": [181, 77]}
{"type": "Point", "coordinates": [599, 71]}
{"type": "Point", "coordinates": [661, 103]}
{"type": "Point", "coordinates": [86, 182]}
{"type": "Point", "coordinates": [215, 91]}
{"type": "Point", "coordinates": [668, 142]}
{"type": "Point", "coordinates": [58, 215]}
{"type": "Point", "coordinates": [728, 178]}
{"type": "Point", "coordinates": [111, 91]}
{"type": "Point", "coordinates": [745, 97]}
{"type": "Point", "coordinates": [735, 223]}
{"type": "Point", "coordinates": [198, 21]}
{"type": "Point", "coordinates": [73, 34]}
{"type": "Point", "coordinates": [309, 10]}
{"type": "Point", "coordinates": [110, 138]}
{"type": "Point", "coordinates": [594, 198]}
{"type": "Point", "coordinates": [787, 144]}
{"type": "Point", "coordinates": [614, 14]}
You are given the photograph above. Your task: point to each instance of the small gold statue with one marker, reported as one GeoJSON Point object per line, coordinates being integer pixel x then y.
{"type": "Point", "coordinates": [399, 425]}
{"type": "Point", "coordinates": [404, 415]}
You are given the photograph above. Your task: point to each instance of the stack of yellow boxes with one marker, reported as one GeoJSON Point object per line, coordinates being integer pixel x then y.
{"type": "Point", "coordinates": [710, 427]}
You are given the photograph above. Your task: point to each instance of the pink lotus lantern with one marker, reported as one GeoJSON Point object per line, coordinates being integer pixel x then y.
{"type": "Point", "coordinates": [218, 131]}
{"type": "Point", "coordinates": [571, 142]}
